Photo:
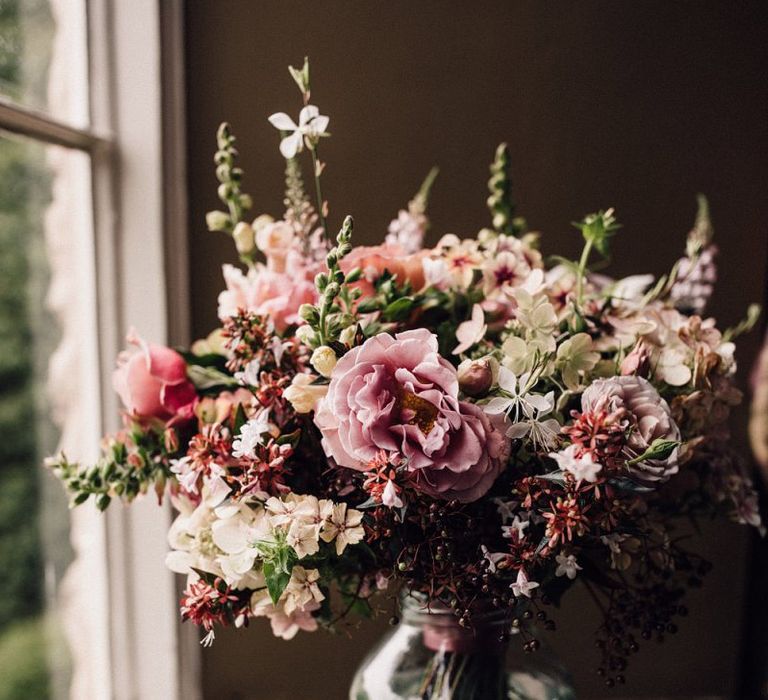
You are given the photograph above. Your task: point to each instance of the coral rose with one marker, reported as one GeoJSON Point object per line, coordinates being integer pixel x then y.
{"type": "Point", "coordinates": [398, 395]}
{"type": "Point", "coordinates": [152, 382]}
{"type": "Point", "coordinates": [374, 260]}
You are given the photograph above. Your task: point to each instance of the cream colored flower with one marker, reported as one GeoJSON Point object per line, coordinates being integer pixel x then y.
{"type": "Point", "coordinates": [303, 394]}
{"type": "Point", "coordinates": [324, 360]}
{"type": "Point", "coordinates": [575, 357]}
{"type": "Point", "coordinates": [303, 538]}
{"type": "Point", "coordinates": [344, 525]}
{"type": "Point", "coordinates": [302, 590]}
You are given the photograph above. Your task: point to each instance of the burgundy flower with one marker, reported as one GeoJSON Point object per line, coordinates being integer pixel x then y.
{"type": "Point", "coordinates": [398, 395]}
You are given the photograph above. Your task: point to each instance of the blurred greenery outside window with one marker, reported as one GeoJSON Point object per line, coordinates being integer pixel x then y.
{"type": "Point", "coordinates": [34, 520]}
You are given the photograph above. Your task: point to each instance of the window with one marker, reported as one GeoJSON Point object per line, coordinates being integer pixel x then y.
{"type": "Point", "coordinates": [87, 608]}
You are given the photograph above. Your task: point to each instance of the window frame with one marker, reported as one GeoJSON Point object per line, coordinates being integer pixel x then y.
{"type": "Point", "coordinates": [136, 145]}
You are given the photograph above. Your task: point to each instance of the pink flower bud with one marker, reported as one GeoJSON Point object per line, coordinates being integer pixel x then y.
{"type": "Point", "coordinates": [475, 377]}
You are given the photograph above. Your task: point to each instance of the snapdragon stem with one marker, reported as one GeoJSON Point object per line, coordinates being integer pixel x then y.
{"type": "Point", "coordinates": [582, 272]}
{"type": "Point", "coordinates": [318, 192]}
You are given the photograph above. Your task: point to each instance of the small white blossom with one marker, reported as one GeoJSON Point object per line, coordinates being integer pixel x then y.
{"type": "Point", "coordinates": [345, 526]}
{"type": "Point", "coordinates": [566, 566]}
{"type": "Point", "coordinates": [251, 435]}
{"type": "Point", "coordinates": [517, 526]}
{"type": "Point", "coordinates": [583, 468]}
{"type": "Point", "coordinates": [312, 125]}
{"type": "Point", "coordinates": [523, 587]}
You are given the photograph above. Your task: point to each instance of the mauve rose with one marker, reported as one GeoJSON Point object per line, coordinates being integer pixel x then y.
{"type": "Point", "coordinates": [374, 260]}
{"type": "Point", "coordinates": [650, 416]}
{"type": "Point", "coordinates": [269, 293]}
{"type": "Point", "coordinates": [398, 395]}
{"type": "Point", "coordinates": [152, 382]}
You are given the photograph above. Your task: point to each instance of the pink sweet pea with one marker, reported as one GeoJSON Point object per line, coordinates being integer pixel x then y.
{"type": "Point", "coordinates": [152, 382]}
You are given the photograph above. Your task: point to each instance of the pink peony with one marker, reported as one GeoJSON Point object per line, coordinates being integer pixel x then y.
{"type": "Point", "coordinates": [650, 419]}
{"type": "Point", "coordinates": [374, 260]}
{"type": "Point", "coordinates": [269, 293]}
{"type": "Point", "coordinates": [152, 382]}
{"type": "Point", "coordinates": [398, 395]}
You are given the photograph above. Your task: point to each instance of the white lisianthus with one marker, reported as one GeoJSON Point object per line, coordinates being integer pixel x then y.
{"type": "Point", "coordinates": [303, 394]}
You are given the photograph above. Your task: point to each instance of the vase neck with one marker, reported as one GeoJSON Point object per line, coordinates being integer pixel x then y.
{"type": "Point", "coordinates": [488, 631]}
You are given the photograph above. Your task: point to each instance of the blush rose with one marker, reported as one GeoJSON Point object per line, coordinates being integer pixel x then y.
{"type": "Point", "coordinates": [399, 395]}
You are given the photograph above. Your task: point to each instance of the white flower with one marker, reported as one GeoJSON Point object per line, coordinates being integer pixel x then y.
{"type": "Point", "coordinates": [303, 394]}
{"type": "Point", "coordinates": [566, 566]}
{"type": "Point", "coordinates": [521, 355]}
{"type": "Point", "coordinates": [523, 587]}
{"type": "Point", "coordinates": [389, 496]}
{"type": "Point", "coordinates": [493, 558]}
{"type": "Point", "coordinates": [239, 537]}
{"type": "Point", "coordinates": [311, 127]}
{"type": "Point", "coordinates": [516, 395]}
{"type": "Point", "coordinates": [517, 526]}
{"type": "Point", "coordinates": [537, 316]}
{"type": "Point", "coordinates": [471, 332]}
{"type": "Point", "coordinates": [324, 360]}
{"type": "Point", "coordinates": [250, 375]}
{"type": "Point", "coordinates": [575, 357]}
{"type": "Point", "coordinates": [345, 526]}
{"type": "Point", "coordinates": [302, 590]}
{"type": "Point", "coordinates": [251, 435]}
{"type": "Point", "coordinates": [505, 509]}
{"type": "Point", "coordinates": [583, 468]}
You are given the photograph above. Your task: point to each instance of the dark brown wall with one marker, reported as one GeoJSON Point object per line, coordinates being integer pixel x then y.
{"type": "Point", "coordinates": [633, 105]}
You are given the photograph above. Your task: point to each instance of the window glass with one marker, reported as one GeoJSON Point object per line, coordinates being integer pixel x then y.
{"type": "Point", "coordinates": [47, 368]}
{"type": "Point", "coordinates": [43, 57]}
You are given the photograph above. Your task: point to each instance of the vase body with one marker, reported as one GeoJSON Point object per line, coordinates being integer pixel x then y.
{"type": "Point", "coordinates": [428, 656]}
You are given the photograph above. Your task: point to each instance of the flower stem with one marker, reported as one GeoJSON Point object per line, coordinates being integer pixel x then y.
{"type": "Point", "coordinates": [318, 191]}
{"type": "Point", "coordinates": [582, 272]}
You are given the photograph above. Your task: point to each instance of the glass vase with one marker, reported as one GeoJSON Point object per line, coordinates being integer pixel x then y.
{"type": "Point", "coordinates": [429, 656]}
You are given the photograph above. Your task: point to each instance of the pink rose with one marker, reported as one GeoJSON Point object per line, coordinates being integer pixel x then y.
{"type": "Point", "coordinates": [152, 382]}
{"type": "Point", "coordinates": [650, 419]}
{"type": "Point", "coordinates": [269, 293]}
{"type": "Point", "coordinates": [374, 260]}
{"type": "Point", "coordinates": [398, 395]}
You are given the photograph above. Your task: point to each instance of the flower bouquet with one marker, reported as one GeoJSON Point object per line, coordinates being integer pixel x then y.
{"type": "Point", "coordinates": [472, 424]}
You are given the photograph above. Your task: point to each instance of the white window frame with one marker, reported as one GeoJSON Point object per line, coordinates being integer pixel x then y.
{"type": "Point", "coordinates": [136, 144]}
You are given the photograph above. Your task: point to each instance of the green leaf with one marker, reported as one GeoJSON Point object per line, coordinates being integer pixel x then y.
{"type": "Point", "coordinates": [208, 377]}
{"type": "Point", "coordinates": [398, 310]}
{"type": "Point", "coordinates": [368, 306]}
{"type": "Point", "coordinates": [276, 581]}
{"type": "Point", "coordinates": [240, 419]}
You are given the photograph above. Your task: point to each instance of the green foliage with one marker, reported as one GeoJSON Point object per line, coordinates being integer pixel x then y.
{"type": "Point", "coordinates": [597, 230]}
{"type": "Point", "coordinates": [334, 310]}
{"type": "Point", "coordinates": [499, 201]}
{"type": "Point", "coordinates": [229, 191]}
{"type": "Point", "coordinates": [23, 668]}
{"type": "Point", "coordinates": [128, 467]}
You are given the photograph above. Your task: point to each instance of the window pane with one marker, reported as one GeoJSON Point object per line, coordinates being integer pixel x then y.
{"type": "Point", "coordinates": [47, 368]}
{"type": "Point", "coordinates": [43, 57]}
